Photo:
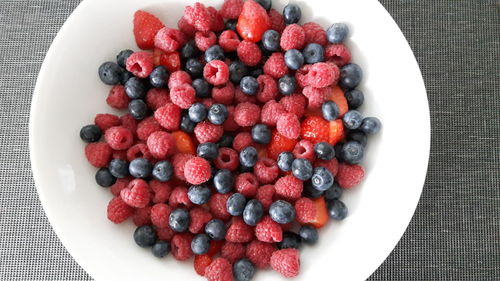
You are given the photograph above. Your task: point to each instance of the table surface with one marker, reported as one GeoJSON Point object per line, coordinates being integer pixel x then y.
{"type": "Point", "coordinates": [455, 232]}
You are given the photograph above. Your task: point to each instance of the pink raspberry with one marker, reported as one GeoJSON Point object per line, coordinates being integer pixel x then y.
{"type": "Point", "coordinates": [216, 21]}
{"type": "Point", "coordinates": [249, 53]}
{"type": "Point", "coordinates": [277, 20]}
{"type": "Point", "coordinates": [161, 191]}
{"type": "Point", "coordinates": [179, 78]}
{"type": "Point", "coordinates": [305, 211]}
{"type": "Point", "coordinates": [247, 114]}
{"type": "Point", "coordinates": [161, 144]}
{"type": "Point", "coordinates": [146, 127]}
{"type": "Point", "coordinates": [142, 216]}
{"type": "Point", "coordinates": [230, 125]}
{"type": "Point", "coordinates": [315, 33]}
{"type": "Point", "coordinates": [197, 170]}
{"type": "Point", "coordinates": [323, 75]}
{"type": "Point", "coordinates": [198, 217]}
{"type": "Point", "coordinates": [119, 138]}
{"type": "Point", "coordinates": [119, 154]}
{"type": "Point", "coordinates": [140, 64]}
{"type": "Point", "coordinates": [156, 98]}
{"type": "Point", "coordinates": [349, 176]}
{"type": "Point", "coordinates": [217, 205]}
{"type": "Point", "coordinates": [186, 27]}
{"type": "Point", "coordinates": [227, 159]}
{"type": "Point", "coordinates": [139, 150]}
{"type": "Point", "coordinates": [119, 185]}
{"type": "Point", "coordinates": [330, 165]}
{"type": "Point", "coordinates": [165, 234]}
{"type": "Point", "coordinates": [265, 195]}
{"type": "Point", "coordinates": [246, 184]}
{"type": "Point", "coordinates": [301, 75]}
{"type": "Point", "coordinates": [288, 125]}
{"type": "Point", "coordinates": [117, 98]}
{"type": "Point", "coordinates": [268, 88]}
{"type": "Point", "coordinates": [229, 40]}
{"type": "Point", "coordinates": [271, 111]}
{"type": "Point", "coordinates": [233, 251]}
{"type": "Point", "coordinates": [268, 230]}
{"type": "Point", "coordinates": [169, 40]}
{"type": "Point", "coordinates": [241, 97]}
{"type": "Point", "coordinates": [266, 170]}
{"type": "Point", "coordinates": [178, 162]}
{"type": "Point", "coordinates": [338, 54]}
{"type": "Point", "coordinates": [219, 270]}
{"type": "Point", "coordinates": [205, 40]}
{"type": "Point", "coordinates": [119, 211]}
{"type": "Point", "coordinates": [207, 102]}
{"type": "Point", "coordinates": [183, 96]}
{"type": "Point", "coordinates": [242, 140]}
{"type": "Point", "coordinates": [223, 94]}
{"type": "Point", "coordinates": [129, 122]}
{"type": "Point", "coordinates": [295, 104]}
{"type": "Point", "coordinates": [136, 194]}
{"type": "Point", "coordinates": [231, 9]}
{"type": "Point", "coordinates": [286, 262]}
{"type": "Point", "coordinates": [169, 116]}
{"type": "Point", "coordinates": [289, 188]}
{"type": "Point", "coordinates": [179, 198]}
{"type": "Point", "coordinates": [98, 154]}
{"type": "Point", "coordinates": [275, 66]}
{"type": "Point", "coordinates": [239, 232]}
{"type": "Point", "coordinates": [181, 246]}
{"type": "Point", "coordinates": [304, 149]}
{"type": "Point", "coordinates": [208, 132]}
{"type": "Point", "coordinates": [293, 37]}
{"type": "Point", "coordinates": [198, 16]}
{"type": "Point", "coordinates": [105, 121]}
{"type": "Point", "coordinates": [259, 253]}
{"type": "Point", "coordinates": [216, 72]}
{"type": "Point", "coordinates": [316, 96]}
{"type": "Point", "coordinates": [160, 215]}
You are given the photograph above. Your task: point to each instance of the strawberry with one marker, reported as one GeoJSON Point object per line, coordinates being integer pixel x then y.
{"type": "Point", "coordinates": [172, 61]}
{"type": "Point", "coordinates": [146, 26]}
{"type": "Point", "coordinates": [338, 97]}
{"type": "Point", "coordinates": [253, 22]}
{"type": "Point", "coordinates": [279, 144]}
{"type": "Point", "coordinates": [184, 143]}
{"type": "Point", "coordinates": [336, 131]}
{"type": "Point", "coordinates": [315, 129]}
{"type": "Point", "coordinates": [321, 217]}
{"type": "Point", "coordinates": [201, 262]}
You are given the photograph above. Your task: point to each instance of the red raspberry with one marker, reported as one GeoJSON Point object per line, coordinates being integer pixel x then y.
{"type": "Point", "coordinates": [295, 104]}
{"type": "Point", "coordinates": [118, 211]}
{"type": "Point", "coordinates": [136, 194]}
{"type": "Point", "coordinates": [208, 102]}
{"type": "Point", "coordinates": [161, 144]}
{"type": "Point", "coordinates": [277, 20]}
{"type": "Point", "coordinates": [156, 98]}
{"type": "Point", "coordinates": [183, 95]}
{"type": "Point", "coordinates": [305, 211]}
{"type": "Point", "coordinates": [266, 170]}
{"type": "Point", "coordinates": [246, 184]}
{"type": "Point", "coordinates": [349, 176]}
{"type": "Point", "coordinates": [233, 251]}
{"type": "Point", "coordinates": [197, 170]}
{"type": "Point", "coordinates": [198, 217]}
{"type": "Point", "coordinates": [304, 149]}
{"type": "Point", "coordinates": [201, 262]}
{"type": "Point", "coordinates": [288, 188]}
{"type": "Point", "coordinates": [288, 125]}
{"type": "Point", "coordinates": [165, 234]}
{"type": "Point", "coordinates": [216, 21]}
{"type": "Point", "coordinates": [98, 154]}
{"type": "Point", "coordinates": [301, 75]}
{"type": "Point", "coordinates": [198, 16]}
{"type": "Point", "coordinates": [315, 33]}
{"type": "Point", "coordinates": [229, 40]}
{"type": "Point", "coordinates": [119, 154]}
{"type": "Point", "coordinates": [315, 96]}
{"type": "Point", "coordinates": [169, 40]}
{"type": "Point", "coordinates": [179, 198]}
{"type": "Point", "coordinates": [208, 132]}
{"type": "Point", "coordinates": [129, 122]}
{"type": "Point", "coordinates": [161, 191]}
{"type": "Point", "coordinates": [227, 159]}
{"type": "Point", "coordinates": [259, 253]}
{"type": "Point", "coordinates": [268, 88]}
{"type": "Point", "coordinates": [231, 9]}
{"type": "Point", "coordinates": [179, 78]}
{"type": "Point", "coordinates": [119, 185]}
{"type": "Point", "coordinates": [171, 61]}
{"type": "Point", "coordinates": [140, 64]}
{"type": "Point", "coordinates": [239, 232]}
{"type": "Point", "coordinates": [146, 26]}
{"type": "Point", "coordinates": [323, 75]}
{"type": "Point", "coordinates": [142, 216]}
{"type": "Point", "coordinates": [219, 270]}
{"type": "Point", "coordinates": [265, 195]}
{"type": "Point", "coordinates": [247, 114]}
{"type": "Point", "coordinates": [275, 66]}
{"type": "Point", "coordinates": [230, 125]}
{"type": "Point", "coordinates": [242, 140]}
{"type": "Point", "coordinates": [181, 246]}
{"type": "Point", "coordinates": [249, 53]}
{"type": "Point", "coordinates": [169, 116]}
{"type": "Point", "coordinates": [216, 72]}
{"type": "Point", "coordinates": [241, 97]}
{"type": "Point", "coordinates": [268, 230]}
{"type": "Point", "coordinates": [178, 162]}
{"type": "Point", "coordinates": [160, 215]}
{"type": "Point", "coordinates": [223, 94]}
{"type": "Point", "coordinates": [293, 37]}
{"type": "Point", "coordinates": [217, 205]}
{"type": "Point", "coordinates": [186, 27]}
{"type": "Point", "coordinates": [139, 150]}
{"type": "Point", "coordinates": [215, 246]}
{"type": "Point", "coordinates": [119, 138]}
{"type": "Point", "coordinates": [146, 127]}
{"type": "Point", "coordinates": [205, 40]}
{"type": "Point", "coordinates": [338, 54]}
{"type": "Point", "coordinates": [286, 262]}
{"type": "Point", "coordinates": [117, 98]}
{"type": "Point", "coordinates": [270, 112]}
{"type": "Point", "coordinates": [105, 121]}
{"type": "Point", "coordinates": [330, 165]}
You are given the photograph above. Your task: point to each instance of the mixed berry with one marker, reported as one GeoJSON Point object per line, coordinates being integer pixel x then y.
{"type": "Point", "coordinates": [241, 134]}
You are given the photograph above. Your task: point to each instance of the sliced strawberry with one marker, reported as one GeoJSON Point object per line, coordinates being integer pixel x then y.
{"type": "Point", "coordinates": [337, 132]}
{"type": "Point", "coordinates": [321, 213]}
{"type": "Point", "coordinates": [184, 143]}
{"type": "Point", "coordinates": [315, 129]}
{"type": "Point", "coordinates": [201, 262]}
{"type": "Point", "coordinates": [253, 22]}
{"type": "Point", "coordinates": [279, 144]}
{"type": "Point", "coordinates": [339, 98]}
{"type": "Point", "coordinates": [146, 26]}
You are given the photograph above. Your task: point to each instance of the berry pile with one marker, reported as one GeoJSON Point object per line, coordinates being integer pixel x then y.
{"type": "Point", "coordinates": [242, 131]}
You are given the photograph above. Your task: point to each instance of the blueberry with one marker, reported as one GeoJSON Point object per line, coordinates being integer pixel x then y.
{"type": "Point", "coordinates": [237, 70]}
{"type": "Point", "coordinates": [179, 220]}
{"type": "Point", "coordinates": [309, 234]}
{"type": "Point", "coordinates": [290, 240]}
{"type": "Point", "coordinates": [186, 124]}
{"type": "Point", "coordinates": [292, 13]}
{"type": "Point", "coordinates": [199, 194]}
{"type": "Point", "coordinates": [145, 236]}
{"type": "Point", "coordinates": [294, 59]}
{"type": "Point", "coordinates": [256, 72]}
{"type": "Point", "coordinates": [350, 76]}
{"type": "Point", "coordinates": [231, 25]}
{"type": "Point", "coordinates": [282, 212]}
{"type": "Point", "coordinates": [135, 88]}
{"type": "Point", "coordinates": [355, 98]}
{"type": "Point", "coordinates": [217, 114]}
{"type": "Point", "coordinates": [253, 212]}
{"type": "Point", "coordinates": [302, 169]}
{"type": "Point", "coordinates": [140, 168]}
{"type": "Point", "coordinates": [163, 171]}
{"type": "Point", "coordinates": [104, 178]}
{"type": "Point", "coordinates": [287, 84]}
{"type": "Point", "coordinates": [243, 270]}
{"type": "Point", "coordinates": [202, 87]}
{"type": "Point", "coordinates": [337, 33]}
{"type": "Point", "coordinates": [266, 4]}
{"type": "Point", "coordinates": [90, 133]}
{"type": "Point", "coordinates": [121, 58]}
{"type": "Point", "coordinates": [370, 125]}
{"type": "Point", "coordinates": [249, 85]}
{"type": "Point", "coordinates": [118, 168]}
{"type": "Point", "coordinates": [215, 229]}
{"type": "Point", "coordinates": [189, 50]}
{"type": "Point", "coordinates": [208, 150]}
{"type": "Point", "coordinates": [324, 151]}
{"type": "Point", "coordinates": [110, 73]}
{"type": "Point", "coordinates": [138, 109]}
{"type": "Point", "coordinates": [236, 204]}
{"type": "Point", "coordinates": [330, 110]}
{"type": "Point", "coordinates": [126, 76]}
{"type": "Point", "coordinates": [194, 67]}
{"type": "Point", "coordinates": [334, 192]}
{"type": "Point", "coordinates": [271, 40]}
{"type": "Point", "coordinates": [223, 181]}
{"type": "Point", "coordinates": [215, 52]}
{"type": "Point", "coordinates": [352, 119]}
{"type": "Point", "coordinates": [261, 134]}
{"type": "Point", "coordinates": [226, 140]}
{"type": "Point", "coordinates": [352, 152]}
{"type": "Point", "coordinates": [337, 209]}
{"type": "Point", "coordinates": [200, 244]}
{"type": "Point", "coordinates": [285, 160]}
{"type": "Point", "coordinates": [338, 151]}
{"type": "Point", "coordinates": [159, 77]}
{"type": "Point", "coordinates": [357, 135]}
{"type": "Point", "coordinates": [322, 179]}
{"type": "Point", "coordinates": [311, 192]}
{"type": "Point", "coordinates": [243, 169]}
{"type": "Point", "coordinates": [161, 249]}
{"type": "Point", "coordinates": [313, 53]}
{"type": "Point", "coordinates": [248, 156]}
{"type": "Point", "coordinates": [197, 112]}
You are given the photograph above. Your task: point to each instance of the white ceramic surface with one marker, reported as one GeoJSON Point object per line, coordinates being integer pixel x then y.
{"type": "Point", "coordinates": [68, 94]}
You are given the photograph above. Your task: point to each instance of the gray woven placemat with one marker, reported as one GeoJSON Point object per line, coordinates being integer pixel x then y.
{"type": "Point", "coordinates": [455, 233]}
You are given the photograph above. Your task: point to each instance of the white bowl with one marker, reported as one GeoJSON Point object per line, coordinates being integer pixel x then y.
{"type": "Point", "coordinates": [68, 94]}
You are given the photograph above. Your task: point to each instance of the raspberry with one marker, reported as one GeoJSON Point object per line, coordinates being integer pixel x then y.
{"type": "Point", "coordinates": [156, 98]}
{"type": "Point", "coordinates": [349, 175]}
{"type": "Point", "coordinates": [161, 191]}
{"type": "Point", "coordinates": [179, 78]}
{"type": "Point", "coordinates": [216, 21]}
{"type": "Point", "coordinates": [216, 72]}
{"type": "Point", "coordinates": [98, 154]}
{"type": "Point", "coordinates": [323, 75]}
{"type": "Point", "coordinates": [315, 96]}
{"type": "Point", "coordinates": [217, 205]}
{"type": "Point", "coordinates": [201, 262]}
{"type": "Point", "coordinates": [315, 33]}
{"type": "Point", "coordinates": [338, 54]}
{"type": "Point", "coordinates": [293, 37]}
{"type": "Point", "coordinates": [304, 149]}
{"type": "Point", "coordinates": [178, 162]}
{"type": "Point", "coordinates": [208, 132]}
{"type": "Point", "coordinates": [286, 262]}
{"type": "Point", "coordinates": [242, 140]}
{"type": "Point", "coordinates": [301, 75]}
{"type": "Point", "coordinates": [239, 232]}
{"type": "Point", "coordinates": [105, 121]}
{"type": "Point", "coordinates": [289, 188]}
{"type": "Point", "coordinates": [183, 95]}
{"type": "Point", "coordinates": [179, 198]}
{"type": "Point", "coordinates": [118, 211]}
{"type": "Point", "coordinates": [172, 61]}
{"type": "Point", "coordinates": [139, 150]}
{"type": "Point", "coordinates": [161, 144]}
{"type": "Point", "coordinates": [268, 230]}
{"type": "Point", "coordinates": [305, 212]}
{"type": "Point", "coordinates": [275, 66]}
{"type": "Point", "coordinates": [197, 170]}
{"type": "Point", "coordinates": [181, 246]}
{"type": "Point", "coordinates": [119, 185]}
{"type": "Point", "coordinates": [205, 40]}
{"type": "Point", "coordinates": [288, 125]}
{"type": "Point", "coordinates": [268, 88]}
{"type": "Point", "coordinates": [146, 127]}
{"type": "Point", "coordinates": [249, 53]}
{"type": "Point", "coordinates": [277, 20]}
{"type": "Point", "coordinates": [198, 217]}
{"type": "Point", "coordinates": [246, 184]}
{"type": "Point", "coordinates": [160, 215]}
{"type": "Point", "coordinates": [265, 195]}
{"type": "Point", "coordinates": [223, 94]}
{"type": "Point", "coordinates": [259, 253]}
{"type": "Point", "coordinates": [231, 9]}
{"type": "Point", "coordinates": [119, 138]}
{"type": "Point", "coordinates": [246, 114]}
{"type": "Point", "coordinates": [230, 125]}
{"type": "Point", "coordinates": [117, 98]}
{"type": "Point", "coordinates": [219, 270]}
{"type": "Point", "coordinates": [330, 165]}
{"type": "Point", "coordinates": [295, 104]}
{"type": "Point", "coordinates": [208, 102]}
{"type": "Point", "coordinates": [266, 170]}
{"type": "Point", "coordinates": [165, 234]}
{"type": "Point", "coordinates": [119, 154]}
{"type": "Point", "coordinates": [229, 41]}
{"type": "Point", "coordinates": [198, 16]}
{"type": "Point", "coordinates": [169, 40]}
{"type": "Point", "coordinates": [186, 27]}
{"type": "Point", "coordinates": [241, 97]}
{"type": "Point", "coordinates": [129, 122]}
{"type": "Point", "coordinates": [215, 246]}
{"type": "Point", "coordinates": [233, 251]}
{"type": "Point", "coordinates": [227, 159]}
{"type": "Point", "coordinates": [142, 216]}
{"type": "Point", "coordinates": [136, 194]}
{"type": "Point", "coordinates": [270, 112]}
{"type": "Point", "coordinates": [140, 64]}
{"type": "Point", "coordinates": [169, 116]}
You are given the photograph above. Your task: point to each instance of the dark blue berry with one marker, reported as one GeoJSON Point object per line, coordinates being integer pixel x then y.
{"type": "Point", "coordinates": [231, 24]}
{"type": "Point", "coordinates": [350, 76]}
{"type": "Point", "coordinates": [248, 156]}
{"type": "Point", "coordinates": [189, 50]}
{"type": "Point", "coordinates": [285, 160]}
{"type": "Point", "coordinates": [145, 236]}
{"type": "Point", "coordinates": [266, 4]}
{"type": "Point", "coordinates": [357, 135]}
{"type": "Point", "coordinates": [287, 85]}
{"type": "Point", "coordinates": [308, 234]}
{"type": "Point", "coordinates": [253, 212]}
{"type": "Point", "coordinates": [256, 72]}
{"type": "Point", "coordinates": [126, 76]}
{"type": "Point", "coordinates": [302, 169]}
{"type": "Point", "coordinates": [179, 220]}
{"type": "Point", "coordinates": [313, 53]}
{"type": "Point", "coordinates": [337, 209]}
{"type": "Point", "coordinates": [226, 140]}
{"type": "Point", "coordinates": [338, 151]}
{"type": "Point", "coordinates": [290, 240]}
{"type": "Point", "coordinates": [138, 109]}
{"type": "Point", "coordinates": [208, 150]}
{"type": "Point", "coordinates": [135, 88]}
{"type": "Point", "coordinates": [292, 13]}
{"type": "Point", "coordinates": [324, 151]}
{"type": "Point", "coordinates": [215, 52]}
{"type": "Point", "coordinates": [352, 152]}
{"type": "Point", "coordinates": [243, 270]}
{"type": "Point", "coordinates": [118, 168]}
{"type": "Point", "coordinates": [186, 124]}
{"type": "Point", "coordinates": [355, 98]}
{"type": "Point", "coordinates": [159, 77]}
{"type": "Point", "coordinates": [271, 40]}
{"type": "Point", "coordinates": [237, 70]}
{"type": "Point", "coordinates": [199, 194]}
{"type": "Point", "coordinates": [370, 125]}
{"type": "Point", "coordinates": [110, 73]}
{"type": "Point", "coordinates": [194, 67]}
{"type": "Point", "coordinates": [200, 244]}
{"type": "Point", "coordinates": [322, 179]}
{"type": "Point", "coordinates": [294, 59]}
{"type": "Point", "coordinates": [140, 168]}
{"type": "Point", "coordinates": [352, 119]}
{"type": "Point", "coordinates": [215, 229]}
{"type": "Point", "coordinates": [197, 112]}
{"type": "Point", "coordinates": [282, 212]}
{"type": "Point", "coordinates": [163, 171]}
{"type": "Point", "coordinates": [261, 134]}
{"type": "Point", "coordinates": [121, 58]}
{"type": "Point", "coordinates": [311, 192]}
{"type": "Point", "coordinates": [337, 33]}
{"type": "Point", "coordinates": [330, 110]}
{"type": "Point", "coordinates": [223, 181]}
{"type": "Point", "coordinates": [104, 178]}
{"type": "Point", "coordinates": [90, 133]}
{"type": "Point", "coordinates": [334, 192]}
{"type": "Point", "coordinates": [202, 87]}
{"type": "Point", "coordinates": [249, 85]}
{"type": "Point", "coordinates": [161, 249]}
{"type": "Point", "coordinates": [217, 114]}
{"type": "Point", "coordinates": [236, 204]}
